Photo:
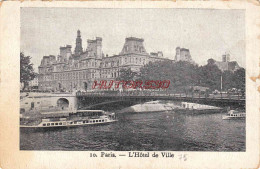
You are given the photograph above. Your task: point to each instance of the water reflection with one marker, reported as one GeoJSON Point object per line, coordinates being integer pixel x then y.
{"type": "Point", "coordinates": [145, 131]}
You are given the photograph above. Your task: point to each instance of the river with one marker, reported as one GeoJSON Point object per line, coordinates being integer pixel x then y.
{"type": "Point", "coordinates": [153, 131]}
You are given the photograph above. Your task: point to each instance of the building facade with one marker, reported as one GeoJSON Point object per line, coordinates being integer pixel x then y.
{"type": "Point", "coordinates": [226, 64]}
{"type": "Point", "coordinates": [34, 83]}
{"type": "Point", "coordinates": [183, 54]}
{"type": "Point", "coordinates": [77, 71]}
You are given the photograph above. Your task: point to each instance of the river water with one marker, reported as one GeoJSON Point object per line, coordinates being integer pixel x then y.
{"type": "Point", "coordinates": [153, 131]}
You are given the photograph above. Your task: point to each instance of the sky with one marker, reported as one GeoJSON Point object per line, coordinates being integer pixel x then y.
{"type": "Point", "coordinates": [206, 33]}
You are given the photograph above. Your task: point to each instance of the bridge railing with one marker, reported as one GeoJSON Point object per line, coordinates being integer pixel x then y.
{"type": "Point", "coordinates": [224, 96]}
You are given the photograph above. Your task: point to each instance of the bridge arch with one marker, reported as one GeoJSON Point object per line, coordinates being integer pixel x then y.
{"type": "Point", "coordinates": [63, 103]}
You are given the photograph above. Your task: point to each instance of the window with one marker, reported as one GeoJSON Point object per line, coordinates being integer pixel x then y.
{"type": "Point", "coordinates": [52, 124]}
{"type": "Point", "coordinates": [60, 123]}
{"type": "Point", "coordinates": [44, 124]}
{"type": "Point", "coordinates": [48, 124]}
{"type": "Point", "coordinates": [22, 110]}
{"type": "Point", "coordinates": [99, 120]}
{"type": "Point", "coordinates": [56, 123]}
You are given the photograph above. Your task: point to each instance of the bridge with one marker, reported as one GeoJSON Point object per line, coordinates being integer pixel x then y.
{"type": "Point", "coordinates": [104, 100]}
{"type": "Point", "coordinates": [114, 100]}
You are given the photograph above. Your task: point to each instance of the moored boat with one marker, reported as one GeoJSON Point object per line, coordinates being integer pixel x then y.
{"type": "Point", "coordinates": [152, 106]}
{"type": "Point", "coordinates": [194, 108]}
{"type": "Point", "coordinates": [80, 118]}
{"type": "Point", "coordinates": [234, 114]}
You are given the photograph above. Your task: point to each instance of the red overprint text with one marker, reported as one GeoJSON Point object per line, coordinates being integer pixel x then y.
{"type": "Point", "coordinates": [148, 84]}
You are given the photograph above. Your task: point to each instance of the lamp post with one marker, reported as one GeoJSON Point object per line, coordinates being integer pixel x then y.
{"type": "Point", "coordinates": [221, 85]}
{"type": "Point", "coordinates": [221, 82]}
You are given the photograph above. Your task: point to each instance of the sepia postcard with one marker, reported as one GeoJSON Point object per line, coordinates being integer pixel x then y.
{"type": "Point", "coordinates": [129, 84]}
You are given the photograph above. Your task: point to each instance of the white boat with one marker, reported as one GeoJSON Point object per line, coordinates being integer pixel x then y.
{"type": "Point", "coordinates": [153, 106]}
{"type": "Point", "coordinates": [195, 108]}
{"type": "Point", "coordinates": [169, 107]}
{"type": "Point", "coordinates": [233, 114]}
{"type": "Point", "coordinates": [80, 118]}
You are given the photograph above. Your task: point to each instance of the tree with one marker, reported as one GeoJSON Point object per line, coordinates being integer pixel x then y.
{"type": "Point", "coordinates": [228, 80]}
{"type": "Point", "coordinates": [153, 71]}
{"type": "Point", "coordinates": [126, 75]}
{"type": "Point", "coordinates": [26, 70]}
{"type": "Point", "coordinates": [211, 61]}
{"type": "Point", "coordinates": [239, 79]}
{"type": "Point", "coordinates": [210, 76]}
{"type": "Point", "coordinates": [181, 74]}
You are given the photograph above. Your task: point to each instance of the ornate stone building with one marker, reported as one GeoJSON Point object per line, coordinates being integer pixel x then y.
{"type": "Point", "coordinates": [77, 71]}
{"type": "Point", "coordinates": [226, 64]}
{"type": "Point", "coordinates": [183, 54]}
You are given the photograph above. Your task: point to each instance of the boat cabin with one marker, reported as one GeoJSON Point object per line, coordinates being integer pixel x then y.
{"type": "Point", "coordinates": [88, 113]}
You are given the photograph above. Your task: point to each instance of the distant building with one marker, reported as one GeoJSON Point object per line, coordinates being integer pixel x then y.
{"type": "Point", "coordinates": [226, 64]}
{"type": "Point", "coordinates": [33, 84]}
{"type": "Point", "coordinates": [183, 54]}
{"type": "Point", "coordinates": [158, 54]}
{"type": "Point", "coordinates": [78, 70]}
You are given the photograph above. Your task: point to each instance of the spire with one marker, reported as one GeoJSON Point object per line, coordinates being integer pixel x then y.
{"type": "Point", "coordinates": [78, 49]}
{"type": "Point", "coordinates": [78, 34]}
